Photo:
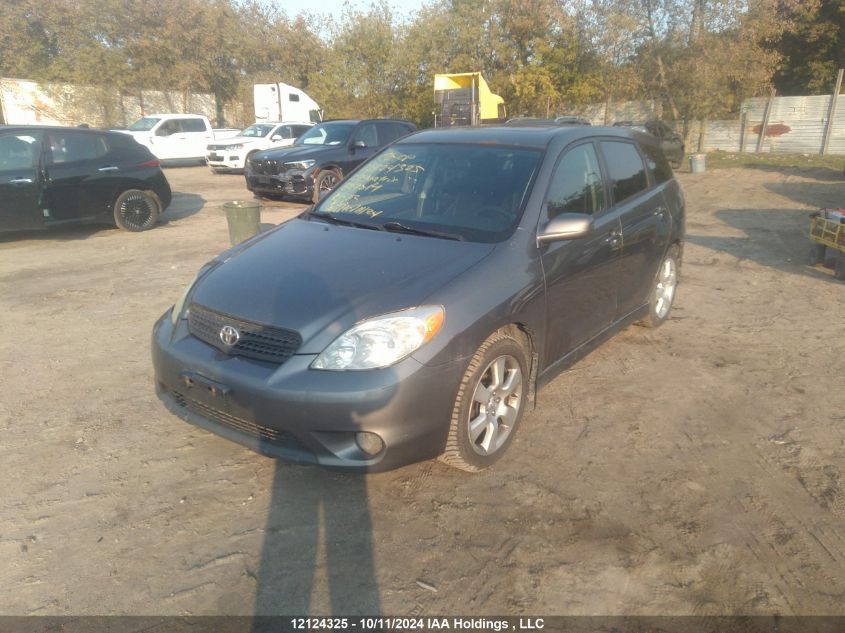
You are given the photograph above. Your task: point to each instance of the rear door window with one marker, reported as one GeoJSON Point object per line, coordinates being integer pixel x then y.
{"type": "Point", "coordinates": [389, 131]}
{"type": "Point", "coordinates": [192, 125]}
{"type": "Point", "coordinates": [626, 169]}
{"type": "Point", "coordinates": [74, 147]}
{"type": "Point", "coordinates": [576, 185]}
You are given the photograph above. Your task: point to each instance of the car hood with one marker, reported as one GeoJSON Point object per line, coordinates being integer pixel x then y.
{"type": "Point", "coordinates": [298, 152]}
{"type": "Point", "coordinates": [320, 279]}
{"type": "Point", "coordinates": [238, 140]}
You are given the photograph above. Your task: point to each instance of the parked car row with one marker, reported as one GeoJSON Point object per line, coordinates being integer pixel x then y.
{"type": "Point", "coordinates": [177, 136]}
{"type": "Point", "coordinates": [233, 153]}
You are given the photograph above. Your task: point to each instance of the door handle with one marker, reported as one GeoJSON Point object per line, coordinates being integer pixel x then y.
{"type": "Point", "coordinates": [614, 238]}
{"type": "Point", "coordinates": [108, 168]}
{"type": "Point", "coordinates": [21, 181]}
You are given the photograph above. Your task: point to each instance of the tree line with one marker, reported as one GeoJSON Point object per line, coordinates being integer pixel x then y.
{"type": "Point", "coordinates": [695, 59]}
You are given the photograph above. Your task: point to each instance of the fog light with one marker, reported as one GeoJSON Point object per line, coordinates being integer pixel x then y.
{"type": "Point", "coordinates": [370, 443]}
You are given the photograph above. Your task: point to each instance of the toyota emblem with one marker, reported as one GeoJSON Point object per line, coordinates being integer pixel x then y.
{"type": "Point", "coordinates": [229, 335]}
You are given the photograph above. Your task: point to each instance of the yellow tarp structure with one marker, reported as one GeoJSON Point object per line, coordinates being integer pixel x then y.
{"type": "Point", "coordinates": [488, 103]}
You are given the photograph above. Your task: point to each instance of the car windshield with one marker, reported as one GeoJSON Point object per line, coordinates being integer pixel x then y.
{"type": "Point", "coordinates": [327, 134]}
{"type": "Point", "coordinates": [144, 124]}
{"type": "Point", "coordinates": [473, 192]}
{"type": "Point", "coordinates": [259, 130]}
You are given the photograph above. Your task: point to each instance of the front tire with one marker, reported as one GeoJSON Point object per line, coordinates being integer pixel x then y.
{"type": "Point", "coordinates": [136, 210]}
{"type": "Point", "coordinates": [489, 405]}
{"type": "Point", "coordinates": [663, 291]}
{"type": "Point", "coordinates": [325, 181]}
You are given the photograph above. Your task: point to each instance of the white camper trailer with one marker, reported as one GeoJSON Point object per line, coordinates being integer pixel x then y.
{"type": "Point", "coordinates": [281, 102]}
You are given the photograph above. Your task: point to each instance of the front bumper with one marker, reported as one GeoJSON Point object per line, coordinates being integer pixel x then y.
{"type": "Point", "coordinates": [225, 159]}
{"type": "Point", "coordinates": [291, 412]}
{"type": "Point", "coordinates": [289, 183]}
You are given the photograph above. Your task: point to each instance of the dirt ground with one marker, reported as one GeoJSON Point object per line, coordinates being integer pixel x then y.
{"type": "Point", "coordinates": [693, 469]}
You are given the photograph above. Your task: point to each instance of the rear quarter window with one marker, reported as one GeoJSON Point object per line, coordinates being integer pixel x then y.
{"type": "Point", "coordinates": [74, 147]}
{"type": "Point", "coordinates": [657, 163]}
{"type": "Point", "coordinates": [626, 169]}
{"type": "Point", "coordinates": [123, 146]}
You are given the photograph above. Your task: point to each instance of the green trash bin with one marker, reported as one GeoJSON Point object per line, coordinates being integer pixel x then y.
{"type": "Point", "coordinates": [244, 220]}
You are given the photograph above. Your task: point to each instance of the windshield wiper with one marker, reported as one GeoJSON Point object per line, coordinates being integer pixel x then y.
{"type": "Point", "coordinates": [343, 221]}
{"type": "Point", "coordinates": [398, 227]}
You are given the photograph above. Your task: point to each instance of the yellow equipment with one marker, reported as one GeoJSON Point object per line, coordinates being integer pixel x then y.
{"type": "Point", "coordinates": [465, 99]}
{"type": "Point", "coordinates": [828, 233]}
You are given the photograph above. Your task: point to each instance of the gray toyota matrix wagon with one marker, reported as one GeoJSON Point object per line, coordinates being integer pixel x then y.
{"type": "Point", "coordinates": [414, 311]}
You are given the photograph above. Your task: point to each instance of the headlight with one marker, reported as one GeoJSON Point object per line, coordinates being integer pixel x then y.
{"type": "Point", "coordinates": [300, 164]}
{"type": "Point", "coordinates": [382, 341]}
{"type": "Point", "coordinates": [179, 307]}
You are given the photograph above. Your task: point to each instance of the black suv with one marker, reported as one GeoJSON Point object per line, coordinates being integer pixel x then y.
{"type": "Point", "coordinates": [670, 141]}
{"type": "Point", "coordinates": [52, 176]}
{"type": "Point", "coordinates": [320, 158]}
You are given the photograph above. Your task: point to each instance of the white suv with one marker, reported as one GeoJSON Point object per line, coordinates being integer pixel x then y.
{"type": "Point", "coordinates": [232, 153]}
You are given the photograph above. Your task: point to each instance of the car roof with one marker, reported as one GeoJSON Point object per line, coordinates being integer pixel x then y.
{"type": "Point", "coordinates": [367, 121]}
{"type": "Point", "coordinates": [181, 115]}
{"type": "Point", "coordinates": [41, 128]}
{"type": "Point", "coordinates": [636, 123]}
{"type": "Point", "coordinates": [528, 136]}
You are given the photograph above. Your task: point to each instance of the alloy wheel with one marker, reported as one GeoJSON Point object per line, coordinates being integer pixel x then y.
{"type": "Point", "coordinates": [495, 405]}
{"type": "Point", "coordinates": [137, 210]}
{"type": "Point", "coordinates": [667, 281]}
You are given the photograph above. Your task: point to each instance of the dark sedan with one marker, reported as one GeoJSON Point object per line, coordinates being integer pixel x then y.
{"type": "Point", "coordinates": [321, 157]}
{"type": "Point", "coordinates": [415, 310]}
{"type": "Point", "coordinates": [55, 176]}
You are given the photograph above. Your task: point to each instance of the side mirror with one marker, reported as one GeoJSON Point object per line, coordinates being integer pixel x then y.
{"type": "Point", "coordinates": [566, 226]}
{"type": "Point", "coordinates": [359, 145]}
{"type": "Point", "coordinates": [276, 137]}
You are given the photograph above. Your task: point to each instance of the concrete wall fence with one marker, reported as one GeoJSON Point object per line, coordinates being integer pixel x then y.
{"type": "Point", "coordinates": [24, 102]}
{"type": "Point", "coordinates": [795, 125]}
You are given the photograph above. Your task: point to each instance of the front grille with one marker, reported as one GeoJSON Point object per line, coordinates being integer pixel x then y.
{"type": "Point", "coordinates": [262, 342]}
{"type": "Point", "coordinates": [227, 419]}
{"type": "Point", "coordinates": [216, 147]}
{"type": "Point", "coordinates": [266, 167]}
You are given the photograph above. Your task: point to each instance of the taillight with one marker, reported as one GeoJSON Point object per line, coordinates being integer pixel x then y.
{"type": "Point", "coordinates": [155, 162]}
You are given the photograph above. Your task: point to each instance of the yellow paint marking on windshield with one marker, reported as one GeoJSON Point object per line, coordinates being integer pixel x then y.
{"type": "Point", "coordinates": [352, 206]}
{"type": "Point", "coordinates": [399, 163]}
